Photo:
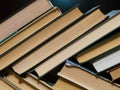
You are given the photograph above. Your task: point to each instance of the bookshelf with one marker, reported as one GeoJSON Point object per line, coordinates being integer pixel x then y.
{"type": "Point", "coordinates": [60, 45]}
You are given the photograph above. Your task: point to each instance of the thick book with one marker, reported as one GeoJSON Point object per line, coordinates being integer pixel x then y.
{"type": "Point", "coordinates": [83, 25]}
{"type": "Point", "coordinates": [108, 60]}
{"type": "Point", "coordinates": [41, 36]}
{"type": "Point", "coordinates": [85, 78]}
{"type": "Point", "coordinates": [36, 82]}
{"type": "Point", "coordinates": [20, 19]}
{"type": "Point", "coordinates": [63, 84]}
{"type": "Point", "coordinates": [114, 72]}
{"type": "Point", "coordinates": [30, 29]}
{"type": "Point", "coordinates": [79, 44]}
{"type": "Point", "coordinates": [106, 44]}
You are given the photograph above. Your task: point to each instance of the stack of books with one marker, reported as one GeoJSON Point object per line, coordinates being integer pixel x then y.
{"type": "Point", "coordinates": [44, 46]}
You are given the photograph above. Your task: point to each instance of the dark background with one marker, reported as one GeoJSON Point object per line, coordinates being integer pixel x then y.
{"type": "Point", "coordinates": [10, 7]}
{"type": "Point", "coordinates": [108, 5]}
{"type": "Point", "coordinates": [85, 5]}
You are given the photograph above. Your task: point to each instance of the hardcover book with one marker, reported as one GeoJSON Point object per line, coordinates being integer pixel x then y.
{"type": "Point", "coordinates": [23, 17]}
{"type": "Point", "coordinates": [78, 45]}
{"type": "Point", "coordinates": [59, 42]}
{"type": "Point", "coordinates": [30, 29]}
{"type": "Point", "coordinates": [85, 78]}
{"type": "Point", "coordinates": [42, 35]}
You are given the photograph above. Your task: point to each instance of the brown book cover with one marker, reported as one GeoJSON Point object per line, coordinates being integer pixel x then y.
{"type": "Point", "coordinates": [30, 29]}
{"type": "Point", "coordinates": [99, 48]}
{"type": "Point", "coordinates": [107, 60]}
{"type": "Point", "coordinates": [68, 36]}
{"type": "Point", "coordinates": [114, 72]}
{"type": "Point", "coordinates": [17, 82]}
{"type": "Point", "coordinates": [86, 79]}
{"type": "Point", "coordinates": [61, 40]}
{"type": "Point", "coordinates": [63, 84]}
{"type": "Point", "coordinates": [36, 82]}
{"type": "Point", "coordinates": [4, 85]}
{"type": "Point", "coordinates": [17, 21]}
{"type": "Point", "coordinates": [79, 44]}
{"type": "Point", "coordinates": [44, 34]}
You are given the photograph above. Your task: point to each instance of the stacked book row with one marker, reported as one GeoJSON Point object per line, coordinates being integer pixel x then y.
{"type": "Point", "coordinates": [44, 48]}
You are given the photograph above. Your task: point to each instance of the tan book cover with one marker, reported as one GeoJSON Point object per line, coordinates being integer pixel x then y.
{"type": "Point", "coordinates": [5, 86]}
{"type": "Point", "coordinates": [99, 48]}
{"type": "Point", "coordinates": [63, 84]}
{"type": "Point", "coordinates": [23, 17]}
{"type": "Point", "coordinates": [40, 85]}
{"type": "Point", "coordinates": [29, 30]}
{"type": "Point", "coordinates": [41, 36]}
{"type": "Point", "coordinates": [19, 82]}
{"type": "Point", "coordinates": [78, 45]}
{"type": "Point", "coordinates": [114, 72]}
{"type": "Point", "coordinates": [60, 41]}
{"type": "Point", "coordinates": [86, 79]}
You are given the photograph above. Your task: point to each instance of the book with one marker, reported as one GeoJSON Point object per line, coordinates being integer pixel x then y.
{"type": "Point", "coordinates": [107, 61]}
{"type": "Point", "coordinates": [60, 41]}
{"type": "Point", "coordinates": [5, 86]}
{"type": "Point", "coordinates": [114, 72]}
{"type": "Point", "coordinates": [63, 84]}
{"type": "Point", "coordinates": [9, 8]}
{"type": "Point", "coordinates": [10, 83]}
{"type": "Point", "coordinates": [44, 34]}
{"type": "Point", "coordinates": [37, 83]}
{"type": "Point", "coordinates": [30, 29]}
{"type": "Point", "coordinates": [78, 45]}
{"type": "Point", "coordinates": [82, 77]}
{"type": "Point", "coordinates": [23, 17]}
{"type": "Point", "coordinates": [17, 82]}
{"type": "Point", "coordinates": [98, 48]}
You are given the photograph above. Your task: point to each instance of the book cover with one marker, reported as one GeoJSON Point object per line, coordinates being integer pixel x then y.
{"type": "Point", "coordinates": [4, 85]}
{"type": "Point", "coordinates": [23, 17]}
{"type": "Point", "coordinates": [114, 72]}
{"type": "Point", "coordinates": [85, 78]}
{"type": "Point", "coordinates": [15, 81]}
{"type": "Point", "coordinates": [109, 42]}
{"type": "Point", "coordinates": [80, 44]}
{"type": "Point", "coordinates": [36, 82]}
{"type": "Point", "coordinates": [42, 35]}
{"type": "Point", "coordinates": [63, 84]}
{"type": "Point", "coordinates": [30, 29]}
{"type": "Point", "coordinates": [108, 60]}
{"type": "Point", "coordinates": [59, 42]}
